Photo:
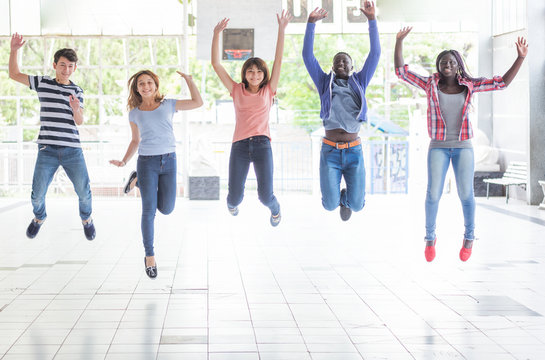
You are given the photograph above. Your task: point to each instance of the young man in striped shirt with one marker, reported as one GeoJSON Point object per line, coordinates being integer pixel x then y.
{"type": "Point", "coordinates": [61, 110]}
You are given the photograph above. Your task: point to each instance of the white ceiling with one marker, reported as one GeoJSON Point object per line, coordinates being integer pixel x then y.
{"type": "Point", "coordinates": [91, 17]}
{"type": "Point", "coordinates": [165, 17]}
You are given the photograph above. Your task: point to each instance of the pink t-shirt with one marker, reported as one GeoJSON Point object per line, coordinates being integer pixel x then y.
{"type": "Point", "coordinates": [251, 111]}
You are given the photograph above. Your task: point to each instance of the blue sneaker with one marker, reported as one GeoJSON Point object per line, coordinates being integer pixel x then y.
{"type": "Point", "coordinates": [33, 228]}
{"type": "Point", "coordinates": [89, 230]}
{"type": "Point", "coordinates": [275, 219]}
{"type": "Point", "coordinates": [233, 211]}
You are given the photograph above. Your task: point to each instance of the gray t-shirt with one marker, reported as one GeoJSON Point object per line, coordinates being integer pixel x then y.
{"type": "Point", "coordinates": [451, 106]}
{"type": "Point", "coordinates": [156, 130]}
{"type": "Point", "coordinates": [345, 107]}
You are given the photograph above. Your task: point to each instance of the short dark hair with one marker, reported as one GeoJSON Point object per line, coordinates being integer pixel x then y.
{"type": "Point", "coordinates": [261, 65]}
{"type": "Point", "coordinates": [69, 54]}
{"type": "Point", "coordinates": [342, 53]}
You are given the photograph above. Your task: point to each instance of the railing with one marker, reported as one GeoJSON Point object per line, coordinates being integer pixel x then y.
{"type": "Point", "coordinates": [295, 167]}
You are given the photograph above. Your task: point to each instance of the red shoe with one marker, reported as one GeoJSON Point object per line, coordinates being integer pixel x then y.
{"type": "Point", "coordinates": [465, 253]}
{"type": "Point", "coordinates": [429, 253]}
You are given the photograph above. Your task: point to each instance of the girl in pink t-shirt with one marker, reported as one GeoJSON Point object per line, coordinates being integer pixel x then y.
{"type": "Point", "coordinates": [252, 99]}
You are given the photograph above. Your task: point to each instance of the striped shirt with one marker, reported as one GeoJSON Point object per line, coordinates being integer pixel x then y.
{"type": "Point", "coordinates": [437, 128]}
{"type": "Point", "coordinates": [57, 125]}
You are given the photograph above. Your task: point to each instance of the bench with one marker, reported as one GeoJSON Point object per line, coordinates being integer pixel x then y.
{"type": "Point", "coordinates": [516, 174]}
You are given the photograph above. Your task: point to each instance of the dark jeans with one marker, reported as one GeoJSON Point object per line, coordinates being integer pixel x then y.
{"type": "Point", "coordinates": [157, 184]}
{"type": "Point", "coordinates": [256, 149]}
{"type": "Point", "coordinates": [50, 157]}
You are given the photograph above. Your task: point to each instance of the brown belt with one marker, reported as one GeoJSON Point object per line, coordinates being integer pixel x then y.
{"type": "Point", "coordinates": [342, 145]}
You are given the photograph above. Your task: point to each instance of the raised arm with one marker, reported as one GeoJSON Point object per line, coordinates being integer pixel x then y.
{"type": "Point", "coordinates": [283, 21]}
{"type": "Point", "coordinates": [227, 81]}
{"type": "Point", "coordinates": [402, 70]}
{"type": "Point", "coordinates": [371, 63]}
{"type": "Point", "coordinates": [312, 65]}
{"type": "Point", "coordinates": [195, 101]}
{"type": "Point", "coordinates": [131, 150]}
{"type": "Point", "coordinates": [522, 51]}
{"type": "Point", "coordinates": [14, 73]}
{"type": "Point", "coordinates": [398, 51]}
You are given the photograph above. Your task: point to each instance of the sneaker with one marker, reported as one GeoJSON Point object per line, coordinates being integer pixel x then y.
{"type": "Point", "coordinates": [233, 211]}
{"type": "Point", "coordinates": [151, 271]}
{"type": "Point", "coordinates": [465, 251]}
{"type": "Point", "coordinates": [89, 229]}
{"type": "Point", "coordinates": [275, 219]}
{"type": "Point", "coordinates": [429, 253]}
{"type": "Point", "coordinates": [345, 212]}
{"type": "Point", "coordinates": [33, 228]}
{"type": "Point", "coordinates": [131, 183]}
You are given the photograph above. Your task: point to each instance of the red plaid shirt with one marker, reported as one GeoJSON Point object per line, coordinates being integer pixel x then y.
{"type": "Point", "coordinates": [436, 125]}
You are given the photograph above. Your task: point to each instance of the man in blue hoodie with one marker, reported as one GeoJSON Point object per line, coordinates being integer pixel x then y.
{"type": "Point", "coordinates": [343, 109]}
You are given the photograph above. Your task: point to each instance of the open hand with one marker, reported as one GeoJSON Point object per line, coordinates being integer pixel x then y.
{"type": "Point", "coordinates": [117, 163]}
{"type": "Point", "coordinates": [403, 33]}
{"type": "Point", "coordinates": [369, 10]}
{"type": "Point", "coordinates": [522, 47]}
{"type": "Point", "coordinates": [317, 15]}
{"type": "Point", "coordinates": [187, 77]}
{"type": "Point", "coordinates": [284, 19]}
{"type": "Point", "coordinates": [221, 26]}
{"type": "Point", "coordinates": [17, 42]}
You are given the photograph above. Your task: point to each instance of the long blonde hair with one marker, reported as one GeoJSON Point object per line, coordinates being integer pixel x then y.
{"type": "Point", "coordinates": [135, 99]}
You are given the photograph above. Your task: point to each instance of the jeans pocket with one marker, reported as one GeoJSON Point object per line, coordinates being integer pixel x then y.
{"type": "Point", "coordinates": [42, 147]}
{"type": "Point", "coordinates": [327, 149]}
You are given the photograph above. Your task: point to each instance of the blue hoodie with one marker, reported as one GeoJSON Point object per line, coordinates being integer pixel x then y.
{"type": "Point", "coordinates": [358, 81]}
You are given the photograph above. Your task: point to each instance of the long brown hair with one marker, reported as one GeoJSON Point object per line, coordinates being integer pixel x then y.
{"type": "Point", "coordinates": [261, 65]}
{"type": "Point", "coordinates": [135, 99]}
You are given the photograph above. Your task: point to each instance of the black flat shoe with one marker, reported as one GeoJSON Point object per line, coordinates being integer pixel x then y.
{"type": "Point", "coordinates": [131, 183]}
{"type": "Point", "coordinates": [151, 271]}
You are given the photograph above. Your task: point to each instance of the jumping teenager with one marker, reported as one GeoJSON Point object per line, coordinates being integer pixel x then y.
{"type": "Point", "coordinates": [252, 98]}
{"type": "Point", "coordinates": [343, 109]}
{"type": "Point", "coordinates": [449, 93]}
{"type": "Point", "coordinates": [150, 118]}
{"type": "Point", "coordinates": [61, 111]}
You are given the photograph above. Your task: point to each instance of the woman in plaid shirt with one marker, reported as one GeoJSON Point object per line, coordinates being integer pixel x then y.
{"type": "Point", "coordinates": [449, 93]}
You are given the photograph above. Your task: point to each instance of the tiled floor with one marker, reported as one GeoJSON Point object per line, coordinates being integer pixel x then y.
{"type": "Point", "coordinates": [236, 288]}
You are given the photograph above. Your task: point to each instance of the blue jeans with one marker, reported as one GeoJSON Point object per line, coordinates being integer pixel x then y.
{"type": "Point", "coordinates": [50, 157]}
{"type": "Point", "coordinates": [157, 184]}
{"type": "Point", "coordinates": [335, 163]}
{"type": "Point", "coordinates": [463, 166]}
{"type": "Point", "coordinates": [256, 149]}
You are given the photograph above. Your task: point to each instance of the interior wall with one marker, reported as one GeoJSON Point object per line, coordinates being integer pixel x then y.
{"type": "Point", "coordinates": [483, 120]}
{"type": "Point", "coordinates": [536, 64]}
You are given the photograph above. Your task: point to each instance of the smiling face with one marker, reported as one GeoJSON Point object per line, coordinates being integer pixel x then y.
{"type": "Point", "coordinates": [448, 65]}
{"type": "Point", "coordinates": [64, 68]}
{"type": "Point", "coordinates": [342, 65]}
{"type": "Point", "coordinates": [146, 86]}
{"type": "Point", "coordinates": [254, 73]}
{"type": "Point", "coordinates": [254, 76]}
